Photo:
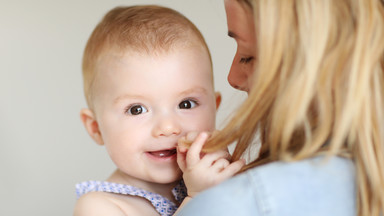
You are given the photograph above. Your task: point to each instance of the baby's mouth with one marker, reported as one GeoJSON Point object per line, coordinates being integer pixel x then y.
{"type": "Point", "coordinates": [163, 153]}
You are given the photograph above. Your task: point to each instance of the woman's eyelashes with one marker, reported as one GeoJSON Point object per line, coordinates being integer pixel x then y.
{"type": "Point", "coordinates": [188, 104]}
{"type": "Point", "coordinates": [136, 109]}
{"type": "Point", "coordinates": [246, 60]}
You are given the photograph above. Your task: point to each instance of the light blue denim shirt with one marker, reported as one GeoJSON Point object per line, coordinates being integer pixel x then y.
{"type": "Point", "coordinates": [305, 188]}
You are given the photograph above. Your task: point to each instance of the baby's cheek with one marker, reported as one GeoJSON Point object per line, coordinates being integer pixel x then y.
{"type": "Point", "coordinates": [207, 124]}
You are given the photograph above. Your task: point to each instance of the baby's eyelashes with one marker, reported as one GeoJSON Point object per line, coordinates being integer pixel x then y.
{"type": "Point", "coordinates": [188, 104]}
{"type": "Point", "coordinates": [136, 109]}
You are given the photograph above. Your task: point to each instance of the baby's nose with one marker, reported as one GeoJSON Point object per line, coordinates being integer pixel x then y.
{"type": "Point", "coordinates": [166, 126]}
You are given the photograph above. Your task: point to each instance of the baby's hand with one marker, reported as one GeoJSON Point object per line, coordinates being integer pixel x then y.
{"type": "Point", "coordinates": [201, 171]}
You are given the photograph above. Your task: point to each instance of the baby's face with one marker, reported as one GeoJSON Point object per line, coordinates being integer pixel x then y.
{"type": "Point", "coordinates": [145, 103]}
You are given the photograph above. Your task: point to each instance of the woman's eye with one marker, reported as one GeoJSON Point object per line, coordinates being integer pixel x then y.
{"type": "Point", "coordinates": [136, 110]}
{"type": "Point", "coordinates": [187, 104]}
{"type": "Point", "coordinates": [246, 60]}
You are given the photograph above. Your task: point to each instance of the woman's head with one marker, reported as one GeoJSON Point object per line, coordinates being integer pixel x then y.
{"type": "Point", "coordinates": [315, 64]}
{"type": "Point", "coordinates": [241, 27]}
{"type": "Point", "coordinates": [316, 84]}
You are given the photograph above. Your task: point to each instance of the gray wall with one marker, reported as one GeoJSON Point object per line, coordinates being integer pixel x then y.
{"type": "Point", "coordinates": [44, 149]}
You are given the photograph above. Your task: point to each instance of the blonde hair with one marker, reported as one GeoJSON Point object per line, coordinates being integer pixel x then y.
{"type": "Point", "coordinates": [318, 88]}
{"type": "Point", "coordinates": [144, 28]}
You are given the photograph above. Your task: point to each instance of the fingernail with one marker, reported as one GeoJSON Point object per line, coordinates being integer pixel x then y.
{"type": "Point", "coordinates": [191, 136]}
{"type": "Point", "coordinates": [183, 149]}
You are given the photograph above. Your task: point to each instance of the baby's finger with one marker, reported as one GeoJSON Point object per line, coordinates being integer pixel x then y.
{"type": "Point", "coordinates": [232, 169]}
{"type": "Point", "coordinates": [186, 141]}
{"type": "Point", "coordinates": [210, 158]}
{"type": "Point", "coordinates": [193, 154]}
{"type": "Point", "coordinates": [191, 136]}
{"type": "Point", "coordinates": [181, 159]}
{"type": "Point", "coordinates": [182, 146]}
{"type": "Point", "coordinates": [220, 165]}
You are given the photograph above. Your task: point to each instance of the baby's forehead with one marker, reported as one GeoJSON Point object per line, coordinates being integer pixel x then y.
{"type": "Point", "coordinates": [186, 56]}
{"type": "Point", "coordinates": [128, 68]}
{"type": "Point", "coordinates": [116, 56]}
{"type": "Point", "coordinates": [156, 51]}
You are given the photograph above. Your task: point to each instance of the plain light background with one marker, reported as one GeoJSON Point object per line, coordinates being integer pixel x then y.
{"type": "Point", "coordinates": [44, 149]}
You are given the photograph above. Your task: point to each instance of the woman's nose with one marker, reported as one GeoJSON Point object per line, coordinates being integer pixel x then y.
{"type": "Point", "coordinates": [166, 126]}
{"type": "Point", "coordinates": [237, 77]}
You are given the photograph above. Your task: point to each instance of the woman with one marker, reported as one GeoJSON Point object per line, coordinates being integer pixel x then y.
{"type": "Point", "coordinates": [313, 71]}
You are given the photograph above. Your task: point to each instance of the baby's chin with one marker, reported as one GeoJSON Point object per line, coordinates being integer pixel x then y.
{"type": "Point", "coordinates": [169, 177]}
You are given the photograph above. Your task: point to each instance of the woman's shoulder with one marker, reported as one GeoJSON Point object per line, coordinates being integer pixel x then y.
{"type": "Point", "coordinates": [306, 187]}
{"type": "Point", "coordinates": [316, 172]}
{"type": "Point", "coordinates": [312, 170]}
{"type": "Point", "coordinates": [318, 176]}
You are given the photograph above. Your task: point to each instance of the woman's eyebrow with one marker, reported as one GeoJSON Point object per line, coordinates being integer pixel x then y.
{"type": "Point", "coordinates": [232, 34]}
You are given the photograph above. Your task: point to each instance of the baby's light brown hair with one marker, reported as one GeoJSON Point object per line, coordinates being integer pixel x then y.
{"type": "Point", "coordinates": [149, 29]}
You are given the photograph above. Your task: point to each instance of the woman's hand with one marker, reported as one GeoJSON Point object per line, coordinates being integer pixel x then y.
{"type": "Point", "coordinates": [201, 171]}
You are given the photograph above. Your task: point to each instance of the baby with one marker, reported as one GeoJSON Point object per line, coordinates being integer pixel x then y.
{"type": "Point", "coordinates": [148, 82]}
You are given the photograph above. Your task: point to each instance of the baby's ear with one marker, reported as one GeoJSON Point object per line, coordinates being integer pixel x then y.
{"type": "Point", "coordinates": [218, 100]}
{"type": "Point", "coordinates": [88, 118]}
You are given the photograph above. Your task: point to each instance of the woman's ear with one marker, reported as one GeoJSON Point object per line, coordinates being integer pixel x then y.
{"type": "Point", "coordinates": [88, 118]}
{"type": "Point", "coordinates": [218, 100]}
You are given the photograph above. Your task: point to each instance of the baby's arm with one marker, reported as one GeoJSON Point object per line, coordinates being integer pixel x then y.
{"type": "Point", "coordinates": [201, 171]}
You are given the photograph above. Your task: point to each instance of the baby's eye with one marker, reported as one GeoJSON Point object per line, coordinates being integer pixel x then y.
{"type": "Point", "coordinates": [136, 110]}
{"type": "Point", "coordinates": [187, 104]}
{"type": "Point", "coordinates": [246, 60]}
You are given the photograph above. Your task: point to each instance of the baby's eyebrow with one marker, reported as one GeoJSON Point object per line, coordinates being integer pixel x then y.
{"type": "Point", "coordinates": [122, 97]}
{"type": "Point", "coordinates": [196, 89]}
{"type": "Point", "coordinates": [193, 90]}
